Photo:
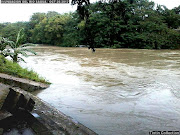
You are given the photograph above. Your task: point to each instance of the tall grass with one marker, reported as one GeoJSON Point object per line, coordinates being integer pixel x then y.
{"type": "Point", "coordinates": [8, 67]}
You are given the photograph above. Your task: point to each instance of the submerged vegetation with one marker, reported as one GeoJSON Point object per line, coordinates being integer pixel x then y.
{"type": "Point", "coordinates": [12, 68]}
{"type": "Point", "coordinates": [115, 24]}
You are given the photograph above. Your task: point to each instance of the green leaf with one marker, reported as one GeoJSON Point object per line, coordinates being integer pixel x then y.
{"type": "Point", "coordinates": [27, 44]}
{"type": "Point", "coordinates": [28, 50]}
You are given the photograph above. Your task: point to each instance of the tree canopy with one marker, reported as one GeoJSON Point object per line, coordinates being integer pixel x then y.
{"type": "Point", "coordinates": [114, 23]}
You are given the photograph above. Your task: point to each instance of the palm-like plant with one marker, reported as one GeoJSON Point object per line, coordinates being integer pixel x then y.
{"type": "Point", "coordinates": [3, 43]}
{"type": "Point", "coordinates": [17, 48]}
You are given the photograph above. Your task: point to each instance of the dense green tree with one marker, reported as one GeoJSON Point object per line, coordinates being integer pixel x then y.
{"type": "Point", "coordinates": [73, 31]}
{"type": "Point", "coordinates": [172, 19]}
{"type": "Point", "coordinates": [10, 30]}
{"type": "Point", "coordinates": [115, 24]}
{"type": "Point", "coordinates": [36, 18]}
{"type": "Point", "coordinates": [50, 29]}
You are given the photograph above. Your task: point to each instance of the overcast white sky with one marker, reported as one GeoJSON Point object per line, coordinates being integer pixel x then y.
{"type": "Point", "coordinates": [23, 12]}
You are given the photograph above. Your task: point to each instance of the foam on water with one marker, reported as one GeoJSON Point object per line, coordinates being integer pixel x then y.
{"type": "Point", "coordinates": [121, 91]}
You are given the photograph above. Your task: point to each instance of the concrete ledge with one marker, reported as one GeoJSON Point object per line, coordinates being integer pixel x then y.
{"type": "Point", "coordinates": [25, 84]}
{"type": "Point", "coordinates": [54, 121]}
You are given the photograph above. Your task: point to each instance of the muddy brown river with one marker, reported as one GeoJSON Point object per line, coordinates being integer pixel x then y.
{"type": "Point", "coordinates": [112, 91]}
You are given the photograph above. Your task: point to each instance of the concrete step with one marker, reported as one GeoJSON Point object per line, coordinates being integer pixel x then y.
{"type": "Point", "coordinates": [4, 114]}
{"type": "Point", "coordinates": [22, 83]}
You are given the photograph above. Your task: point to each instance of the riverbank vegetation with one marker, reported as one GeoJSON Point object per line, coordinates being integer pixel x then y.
{"type": "Point", "coordinates": [14, 49]}
{"type": "Point", "coordinates": [117, 24]}
{"type": "Point", "coordinates": [12, 68]}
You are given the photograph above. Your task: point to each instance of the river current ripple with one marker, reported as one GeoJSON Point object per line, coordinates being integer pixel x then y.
{"type": "Point", "coordinates": [112, 91]}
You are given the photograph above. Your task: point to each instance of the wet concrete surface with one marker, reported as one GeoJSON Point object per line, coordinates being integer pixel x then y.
{"type": "Point", "coordinates": [13, 126]}
{"type": "Point", "coordinates": [14, 131]}
{"type": "Point", "coordinates": [22, 113]}
{"type": "Point", "coordinates": [22, 83]}
{"type": "Point", "coordinates": [2, 87]}
{"type": "Point", "coordinates": [15, 116]}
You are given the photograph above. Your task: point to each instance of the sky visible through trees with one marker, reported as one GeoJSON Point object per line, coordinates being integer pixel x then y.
{"type": "Point", "coordinates": [23, 12]}
{"type": "Point", "coordinates": [121, 24]}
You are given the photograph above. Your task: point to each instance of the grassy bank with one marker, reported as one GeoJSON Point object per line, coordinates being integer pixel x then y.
{"type": "Point", "coordinates": [8, 67]}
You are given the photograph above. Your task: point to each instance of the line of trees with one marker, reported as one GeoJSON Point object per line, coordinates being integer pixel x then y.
{"type": "Point", "coordinates": [115, 24]}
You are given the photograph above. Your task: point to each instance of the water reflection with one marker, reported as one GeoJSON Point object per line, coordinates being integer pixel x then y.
{"type": "Point", "coordinates": [113, 92]}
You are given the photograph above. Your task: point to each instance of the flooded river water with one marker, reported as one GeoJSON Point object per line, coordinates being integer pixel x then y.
{"type": "Point", "coordinates": [112, 91]}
